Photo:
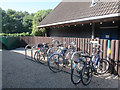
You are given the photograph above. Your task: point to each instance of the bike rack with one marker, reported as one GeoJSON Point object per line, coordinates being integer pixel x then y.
{"type": "Point", "coordinates": [32, 47]}
{"type": "Point", "coordinates": [77, 52]}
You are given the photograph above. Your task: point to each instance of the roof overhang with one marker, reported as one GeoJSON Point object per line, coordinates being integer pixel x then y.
{"type": "Point", "coordinates": [81, 20]}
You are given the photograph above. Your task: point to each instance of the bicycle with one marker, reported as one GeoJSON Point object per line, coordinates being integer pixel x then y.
{"type": "Point", "coordinates": [61, 59]}
{"type": "Point", "coordinates": [40, 54]}
{"type": "Point", "coordinates": [44, 51]}
{"type": "Point", "coordinates": [94, 65]}
{"type": "Point", "coordinates": [79, 63]}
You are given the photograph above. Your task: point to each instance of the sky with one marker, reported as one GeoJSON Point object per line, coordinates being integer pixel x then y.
{"type": "Point", "coordinates": [31, 6]}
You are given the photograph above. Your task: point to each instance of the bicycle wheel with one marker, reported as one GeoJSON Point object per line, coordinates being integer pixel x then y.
{"type": "Point", "coordinates": [51, 51]}
{"type": "Point", "coordinates": [76, 73]}
{"type": "Point", "coordinates": [37, 56]}
{"type": "Point", "coordinates": [42, 58]}
{"type": "Point", "coordinates": [103, 66]}
{"type": "Point", "coordinates": [86, 74]}
{"type": "Point", "coordinates": [55, 62]}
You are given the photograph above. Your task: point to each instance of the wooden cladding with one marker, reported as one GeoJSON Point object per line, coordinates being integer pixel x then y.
{"type": "Point", "coordinates": [81, 45]}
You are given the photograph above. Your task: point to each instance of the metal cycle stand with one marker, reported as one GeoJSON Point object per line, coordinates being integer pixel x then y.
{"type": "Point", "coordinates": [31, 50]}
{"type": "Point", "coordinates": [93, 45]}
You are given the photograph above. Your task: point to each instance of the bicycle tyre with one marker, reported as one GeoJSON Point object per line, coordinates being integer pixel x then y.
{"type": "Point", "coordinates": [37, 56]}
{"type": "Point", "coordinates": [58, 63]}
{"type": "Point", "coordinates": [103, 66]}
{"type": "Point", "coordinates": [87, 68]}
{"type": "Point", "coordinates": [74, 77]}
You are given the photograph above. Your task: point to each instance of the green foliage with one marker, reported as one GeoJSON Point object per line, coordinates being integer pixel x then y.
{"type": "Point", "coordinates": [40, 32]}
{"type": "Point", "coordinates": [16, 34]}
{"type": "Point", "coordinates": [27, 23]}
{"type": "Point", "coordinates": [2, 34]}
{"type": "Point", "coordinates": [10, 12]}
{"type": "Point", "coordinates": [14, 22]}
{"type": "Point", "coordinates": [38, 17]}
{"type": "Point", "coordinates": [0, 20]}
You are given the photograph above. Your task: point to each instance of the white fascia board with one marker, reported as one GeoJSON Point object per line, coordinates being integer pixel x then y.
{"type": "Point", "coordinates": [80, 20]}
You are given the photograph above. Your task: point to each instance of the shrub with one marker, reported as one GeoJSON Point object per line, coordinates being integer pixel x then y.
{"type": "Point", "coordinates": [16, 34]}
{"type": "Point", "coordinates": [27, 34]}
{"type": "Point", "coordinates": [40, 32]}
{"type": "Point", "coordinates": [2, 34]}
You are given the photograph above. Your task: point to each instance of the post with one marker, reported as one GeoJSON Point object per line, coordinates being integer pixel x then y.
{"type": "Point", "coordinates": [1, 51]}
{"type": "Point", "coordinates": [108, 50]}
{"type": "Point", "coordinates": [45, 34]}
{"type": "Point", "coordinates": [93, 30]}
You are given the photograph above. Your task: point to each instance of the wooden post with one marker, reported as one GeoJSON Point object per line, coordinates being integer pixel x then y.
{"type": "Point", "coordinates": [112, 56]}
{"type": "Point", "coordinates": [116, 68]}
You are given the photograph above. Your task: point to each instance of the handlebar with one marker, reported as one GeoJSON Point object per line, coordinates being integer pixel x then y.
{"type": "Point", "coordinates": [100, 50]}
{"type": "Point", "coordinates": [70, 43]}
{"type": "Point", "coordinates": [45, 43]}
{"type": "Point", "coordinates": [94, 44]}
{"type": "Point", "coordinates": [77, 52]}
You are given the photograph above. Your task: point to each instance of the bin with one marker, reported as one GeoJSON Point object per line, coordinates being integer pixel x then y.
{"type": "Point", "coordinates": [10, 42]}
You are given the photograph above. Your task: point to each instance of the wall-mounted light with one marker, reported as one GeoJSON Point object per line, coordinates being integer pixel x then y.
{"type": "Point", "coordinates": [100, 22]}
{"type": "Point", "coordinates": [113, 21]}
{"type": "Point", "coordinates": [75, 25]}
{"type": "Point", "coordinates": [68, 25]}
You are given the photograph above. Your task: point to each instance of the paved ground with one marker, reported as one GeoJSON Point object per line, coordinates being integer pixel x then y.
{"type": "Point", "coordinates": [21, 73]}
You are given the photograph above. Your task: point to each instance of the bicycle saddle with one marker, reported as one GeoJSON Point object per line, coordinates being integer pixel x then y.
{"type": "Point", "coordinates": [40, 45]}
{"type": "Point", "coordinates": [45, 43]}
{"type": "Point", "coordinates": [85, 55]}
{"type": "Point", "coordinates": [59, 45]}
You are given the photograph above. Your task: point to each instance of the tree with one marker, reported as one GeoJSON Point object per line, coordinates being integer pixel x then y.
{"type": "Point", "coordinates": [38, 17]}
{"type": "Point", "coordinates": [26, 13]}
{"type": "Point", "coordinates": [0, 20]}
{"type": "Point", "coordinates": [40, 32]}
{"type": "Point", "coordinates": [27, 23]}
{"type": "Point", "coordinates": [10, 12]}
{"type": "Point", "coordinates": [12, 21]}
{"type": "Point", "coordinates": [5, 22]}
{"type": "Point", "coordinates": [18, 21]}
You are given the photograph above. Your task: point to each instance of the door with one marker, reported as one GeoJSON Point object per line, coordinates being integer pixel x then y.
{"type": "Point", "coordinates": [109, 33]}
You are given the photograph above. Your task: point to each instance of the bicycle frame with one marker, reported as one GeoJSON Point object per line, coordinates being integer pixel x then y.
{"type": "Point", "coordinates": [65, 50]}
{"type": "Point", "coordinates": [62, 52]}
{"type": "Point", "coordinates": [77, 61]}
{"type": "Point", "coordinates": [81, 59]}
{"type": "Point", "coordinates": [95, 60]}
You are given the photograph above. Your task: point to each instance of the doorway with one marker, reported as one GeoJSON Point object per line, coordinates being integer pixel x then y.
{"type": "Point", "coordinates": [109, 33]}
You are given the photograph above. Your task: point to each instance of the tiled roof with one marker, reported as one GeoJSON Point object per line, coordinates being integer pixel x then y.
{"type": "Point", "coordinates": [67, 11]}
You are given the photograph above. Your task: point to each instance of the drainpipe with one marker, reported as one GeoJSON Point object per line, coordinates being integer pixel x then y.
{"type": "Point", "coordinates": [93, 30]}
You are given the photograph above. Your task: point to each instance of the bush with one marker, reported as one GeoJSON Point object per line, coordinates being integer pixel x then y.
{"type": "Point", "coordinates": [39, 32]}
{"type": "Point", "coordinates": [27, 34]}
{"type": "Point", "coordinates": [16, 34]}
{"type": "Point", "coordinates": [2, 34]}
